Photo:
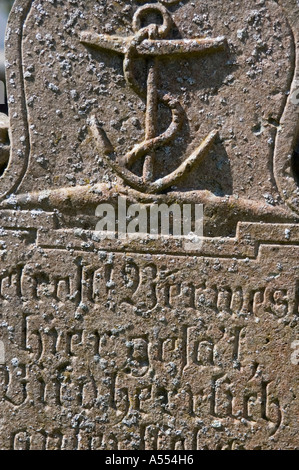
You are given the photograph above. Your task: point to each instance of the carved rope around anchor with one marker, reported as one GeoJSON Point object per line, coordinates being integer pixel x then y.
{"type": "Point", "coordinates": [150, 145]}
{"type": "Point", "coordinates": [137, 182]}
{"type": "Point", "coordinates": [130, 47]}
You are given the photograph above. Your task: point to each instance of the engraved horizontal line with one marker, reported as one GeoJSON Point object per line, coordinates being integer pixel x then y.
{"type": "Point", "coordinates": [245, 245]}
{"type": "Point", "coordinates": [210, 248]}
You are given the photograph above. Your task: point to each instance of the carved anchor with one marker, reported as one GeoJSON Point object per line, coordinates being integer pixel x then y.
{"type": "Point", "coordinates": [149, 42]}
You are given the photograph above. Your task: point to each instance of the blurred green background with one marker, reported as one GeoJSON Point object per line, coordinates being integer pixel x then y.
{"type": "Point", "coordinates": [5, 6]}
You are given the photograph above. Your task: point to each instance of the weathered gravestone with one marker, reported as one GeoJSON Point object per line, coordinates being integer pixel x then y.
{"type": "Point", "coordinates": [120, 343]}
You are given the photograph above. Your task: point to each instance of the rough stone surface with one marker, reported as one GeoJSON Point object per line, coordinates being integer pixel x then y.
{"type": "Point", "coordinates": [121, 344]}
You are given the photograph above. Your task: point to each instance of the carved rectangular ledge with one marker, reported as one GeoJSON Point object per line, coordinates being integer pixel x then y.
{"type": "Point", "coordinates": [84, 240]}
{"type": "Point", "coordinates": [262, 232]}
{"type": "Point", "coordinates": [27, 219]}
{"type": "Point", "coordinates": [247, 243]}
{"type": "Point", "coordinates": [250, 238]}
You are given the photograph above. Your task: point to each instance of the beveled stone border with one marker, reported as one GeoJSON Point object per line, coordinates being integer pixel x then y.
{"type": "Point", "coordinates": [20, 140]}
{"type": "Point", "coordinates": [288, 132]}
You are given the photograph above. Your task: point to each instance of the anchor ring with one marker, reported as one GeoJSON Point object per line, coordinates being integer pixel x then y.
{"type": "Point", "coordinates": [162, 29]}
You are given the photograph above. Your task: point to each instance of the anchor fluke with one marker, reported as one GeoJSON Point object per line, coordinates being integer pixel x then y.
{"type": "Point", "coordinates": [103, 143]}
{"type": "Point", "coordinates": [137, 182]}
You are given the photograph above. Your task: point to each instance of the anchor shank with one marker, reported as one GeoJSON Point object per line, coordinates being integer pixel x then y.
{"type": "Point", "coordinates": [151, 117]}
